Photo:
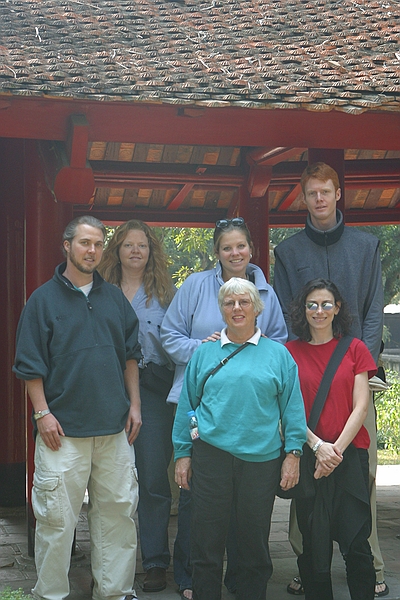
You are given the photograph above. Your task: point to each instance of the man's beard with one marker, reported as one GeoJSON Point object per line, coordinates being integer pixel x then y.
{"type": "Point", "coordinates": [83, 268]}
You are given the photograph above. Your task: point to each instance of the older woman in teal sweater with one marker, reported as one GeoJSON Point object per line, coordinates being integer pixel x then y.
{"type": "Point", "coordinates": [236, 461]}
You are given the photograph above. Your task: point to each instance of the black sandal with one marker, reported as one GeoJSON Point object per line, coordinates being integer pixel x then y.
{"type": "Point", "coordinates": [385, 590]}
{"type": "Point", "coordinates": [291, 590]}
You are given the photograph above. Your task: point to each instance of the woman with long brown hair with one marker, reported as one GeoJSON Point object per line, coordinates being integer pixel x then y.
{"type": "Point", "coordinates": [135, 261]}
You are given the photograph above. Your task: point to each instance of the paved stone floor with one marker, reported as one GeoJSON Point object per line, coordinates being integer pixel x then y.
{"type": "Point", "coordinates": [17, 569]}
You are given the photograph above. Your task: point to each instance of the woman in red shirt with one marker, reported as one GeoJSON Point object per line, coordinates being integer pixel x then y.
{"type": "Point", "coordinates": [339, 509]}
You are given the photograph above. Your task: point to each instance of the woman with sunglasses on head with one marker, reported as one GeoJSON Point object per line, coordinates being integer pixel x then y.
{"type": "Point", "coordinates": [135, 261]}
{"type": "Point", "coordinates": [194, 318]}
{"type": "Point", "coordinates": [340, 508]}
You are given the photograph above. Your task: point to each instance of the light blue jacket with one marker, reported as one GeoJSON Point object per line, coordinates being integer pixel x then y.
{"type": "Point", "coordinates": [194, 314]}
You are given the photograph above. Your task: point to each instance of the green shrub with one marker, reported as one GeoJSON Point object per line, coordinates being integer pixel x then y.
{"type": "Point", "coordinates": [9, 594]}
{"type": "Point", "coordinates": [388, 414]}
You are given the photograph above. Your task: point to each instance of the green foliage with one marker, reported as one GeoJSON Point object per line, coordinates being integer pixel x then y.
{"type": "Point", "coordinates": [388, 414]}
{"type": "Point", "coordinates": [276, 236]}
{"type": "Point", "coordinates": [9, 594]}
{"type": "Point", "coordinates": [387, 457]}
{"type": "Point", "coordinates": [189, 250]}
{"type": "Point", "coordinates": [389, 236]}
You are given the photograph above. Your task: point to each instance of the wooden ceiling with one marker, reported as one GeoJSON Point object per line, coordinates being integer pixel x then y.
{"type": "Point", "coordinates": [198, 184]}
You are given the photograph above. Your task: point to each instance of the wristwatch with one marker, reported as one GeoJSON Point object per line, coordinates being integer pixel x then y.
{"type": "Point", "coordinates": [296, 452]}
{"type": "Point", "coordinates": [41, 413]}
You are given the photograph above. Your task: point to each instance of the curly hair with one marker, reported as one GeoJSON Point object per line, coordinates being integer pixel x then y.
{"type": "Point", "coordinates": [297, 310]}
{"type": "Point", "coordinates": [156, 280]}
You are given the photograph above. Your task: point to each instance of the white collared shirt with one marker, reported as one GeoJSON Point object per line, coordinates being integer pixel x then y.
{"type": "Point", "coordinates": [255, 338]}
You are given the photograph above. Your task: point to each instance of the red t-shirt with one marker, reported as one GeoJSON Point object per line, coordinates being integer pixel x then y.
{"type": "Point", "coordinates": [312, 361]}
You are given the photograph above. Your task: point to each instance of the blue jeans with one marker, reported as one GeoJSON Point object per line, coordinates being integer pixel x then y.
{"type": "Point", "coordinates": [153, 448]}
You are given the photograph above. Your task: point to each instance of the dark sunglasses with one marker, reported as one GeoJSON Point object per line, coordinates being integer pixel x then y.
{"type": "Point", "coordinates": [224, 223]}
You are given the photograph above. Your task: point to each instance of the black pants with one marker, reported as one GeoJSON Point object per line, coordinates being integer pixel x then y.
{"type": "Point", "coordinates": [359, 561]}
{"type": "Point", "coordinates": [219, 481]}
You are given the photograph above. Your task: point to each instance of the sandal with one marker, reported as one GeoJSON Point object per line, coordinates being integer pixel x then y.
{"type": "Point", "coordinates": [385, 590]}
{"type": "Point", "coordinates": [295, 591]}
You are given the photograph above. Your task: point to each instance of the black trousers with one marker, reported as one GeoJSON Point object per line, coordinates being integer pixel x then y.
{"type": "Point", "coordinates": [359, 561]}
{"type": "Point", "coordinates": [222, 483]}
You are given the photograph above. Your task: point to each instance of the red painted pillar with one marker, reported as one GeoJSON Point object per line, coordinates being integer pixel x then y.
{"type": "Point", "coordinates": [12, 398]}
{"type": "Point", "coordinates": [45, 223]}
{"type": "Point", "coordinates": [335, 159]}
{"type": "Point", "coordinates": [255, 212]}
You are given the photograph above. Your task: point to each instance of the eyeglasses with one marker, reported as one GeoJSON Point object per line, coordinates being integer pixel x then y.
{"type": "Point", "coordinates": [313, 306]}
{"type": "Point", "coordinates": [230, 304]}
{"type": "Point", "coordinates": [224, 223]}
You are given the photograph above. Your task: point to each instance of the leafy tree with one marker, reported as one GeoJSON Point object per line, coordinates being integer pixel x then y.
{"type": "Point", "coordinates": [389, 236]}
{"type": "Point", "coordinates": [388, 414]}
{"type": "Point", "coordinates": [189, 249]}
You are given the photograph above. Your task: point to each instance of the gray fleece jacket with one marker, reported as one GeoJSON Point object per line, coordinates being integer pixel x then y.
{"type": "Point", "coordinates": [346, 256]}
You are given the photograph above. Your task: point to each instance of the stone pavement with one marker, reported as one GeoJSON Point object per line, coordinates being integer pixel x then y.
{"type": "Point", "coordinates": [17, 569]}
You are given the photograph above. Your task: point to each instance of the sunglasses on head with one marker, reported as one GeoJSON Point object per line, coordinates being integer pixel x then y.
{"type": "Point", "coordinates": [224, 223]}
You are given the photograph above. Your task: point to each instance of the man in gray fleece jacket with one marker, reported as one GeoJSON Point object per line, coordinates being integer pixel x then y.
{"type": "Point", "coordinates": [327, 248]}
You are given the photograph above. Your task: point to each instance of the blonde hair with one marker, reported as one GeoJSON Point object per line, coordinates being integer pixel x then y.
{"type": "Point", "coordinates": [156, 280]}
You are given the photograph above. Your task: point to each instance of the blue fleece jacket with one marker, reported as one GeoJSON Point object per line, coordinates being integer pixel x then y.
{"type": "Point", "coordinates": [79, 346]}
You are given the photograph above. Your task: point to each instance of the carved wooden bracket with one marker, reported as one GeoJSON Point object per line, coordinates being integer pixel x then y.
{"type": "Point", "coordinates": [258, 180]}
{"type": "Point", "coordinates": [68, 173]}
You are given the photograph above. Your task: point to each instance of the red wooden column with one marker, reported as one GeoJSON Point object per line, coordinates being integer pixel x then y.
{"type": "Point", "coordinates": [335, 159]}
{"type": "Point", "coordinates": [254, 207]}
{"type": "Point", "coordinates": [255, 212]}
{"type": "Point", "coordinates": [12, 398]}
{"type": "Point", "coordinates": [45, 223]}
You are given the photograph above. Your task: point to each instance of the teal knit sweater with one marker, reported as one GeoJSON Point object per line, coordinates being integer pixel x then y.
{"type": "Point", "coordinates": [243, 403]}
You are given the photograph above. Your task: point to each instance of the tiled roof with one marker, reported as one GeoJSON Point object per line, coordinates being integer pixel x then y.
{"type": "Point", "coordinates": [312, 54]}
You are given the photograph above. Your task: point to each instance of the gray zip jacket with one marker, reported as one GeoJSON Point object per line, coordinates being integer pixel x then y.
{"type": "Point", "coordinates": [344, 255]}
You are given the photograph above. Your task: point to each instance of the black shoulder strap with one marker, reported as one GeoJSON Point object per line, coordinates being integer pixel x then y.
{"type": "Point", "coordinates": [221, 364]}
{"type": "Point", "coordinates": [326, 380]}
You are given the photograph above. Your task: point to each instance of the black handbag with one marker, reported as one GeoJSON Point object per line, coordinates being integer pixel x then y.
{"type": "Point", "coordinates": [305, 487]}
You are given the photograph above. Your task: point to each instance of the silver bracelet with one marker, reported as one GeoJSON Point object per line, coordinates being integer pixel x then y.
{"type": "Point", "coordinates": [317, 446]}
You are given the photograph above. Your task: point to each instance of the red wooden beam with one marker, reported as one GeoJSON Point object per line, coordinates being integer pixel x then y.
{"type": "Point", "coordinates": [183, 218]}
{"type": "Point", "coordinates": [46, 118]}
{"type": "Point", "coordinates": [180, 197]}
{"type": "Point", "coordinates": [77, 141]}
{"type": "Point", "coordinates": [379, 173]}
{"type": "Point", "coordinates": [74, 181]}
{"type": "Point", "coordinates": [160, 180]}
{"type": "Point", "coordinates": [290, 198]}
{"type": "Point", "coordinates": [272, 156]}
